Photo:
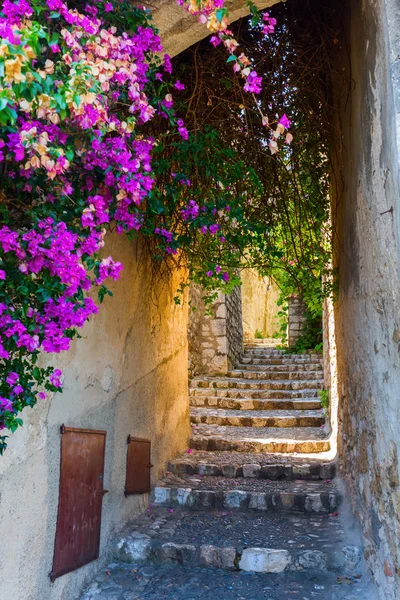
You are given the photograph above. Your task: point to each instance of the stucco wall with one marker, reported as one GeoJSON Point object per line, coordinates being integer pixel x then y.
{"type": "Point", "coordinates": [259, 298]}
{"type": "Point", "coordinates": [128, 375]}
{"type": "Point", "coordinates": [367, 313]}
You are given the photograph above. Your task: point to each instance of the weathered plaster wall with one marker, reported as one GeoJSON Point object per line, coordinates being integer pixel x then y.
{"type": "Point", "coordinates": [259, 300]}
{"type": "Point", "coordinates": [128, 375]}
{"type": "Point", "coordinates": [216, 340]}
{"type": "Point", "coordinates": [367, 313]}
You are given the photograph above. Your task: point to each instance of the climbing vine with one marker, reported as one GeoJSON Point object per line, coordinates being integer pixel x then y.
{"type": "Point", "coordinates": [83, 89]}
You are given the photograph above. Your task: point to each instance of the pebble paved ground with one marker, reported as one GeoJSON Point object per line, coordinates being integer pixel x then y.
{"type": "Point", "coordinates": [168, 582]}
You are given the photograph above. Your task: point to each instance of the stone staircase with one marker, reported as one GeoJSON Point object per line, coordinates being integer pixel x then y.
{"type": "Point", "coordinates": [255, 493]}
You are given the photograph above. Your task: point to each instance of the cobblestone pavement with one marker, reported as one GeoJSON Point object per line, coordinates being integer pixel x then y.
{"type": "Point", "coordinates": [171, 582]}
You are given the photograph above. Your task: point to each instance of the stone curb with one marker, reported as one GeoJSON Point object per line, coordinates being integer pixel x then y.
{"type": "Point", "coordinates": [262, 560]}
{"type": "Point", "coordinates": [273, 471]}
{"type": "Point", "coordinates": [315, 503]}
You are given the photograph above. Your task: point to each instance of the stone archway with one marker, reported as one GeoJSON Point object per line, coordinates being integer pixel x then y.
{"type": "Point", "coordinates": [179, 30]}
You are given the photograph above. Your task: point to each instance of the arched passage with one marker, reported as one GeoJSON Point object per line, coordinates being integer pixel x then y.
{"type": "Point", "coordinates": [144, 390]}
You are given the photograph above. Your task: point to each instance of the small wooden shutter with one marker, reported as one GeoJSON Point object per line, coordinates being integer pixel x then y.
{"type": "Point", "coordinates": [81, 493]}
{"type": "Point", "coordinates": [138, 466]}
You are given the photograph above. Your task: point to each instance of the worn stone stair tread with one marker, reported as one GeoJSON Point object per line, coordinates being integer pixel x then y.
{"type": "Point", "coordinates": [288, 375]}
{"type": "Point", "coordinates": [218, 538]}
{"type": "Point", "coordinates": [260, 394]}
{"type": "Point", "coordinates": [264, 486]}
{"type": "Point", "coordinates": [256, 404]}
{"type": "Point", "coordinates": [258, 418]}
{"type": "Point", "coordinates": [241, 383]}
{"type": "Point", "coordinates": [289, 368]}
{"type": "Point", "coordinates": [207, 492]}
{"type": "Point", "coordinates": [260, 439]}
{"type": "Point", "coordinates": [255, 413]}
{"type": "Point", "coordinates": [260, 433]}
{"type": "Point", "coordinates": [271, 466]}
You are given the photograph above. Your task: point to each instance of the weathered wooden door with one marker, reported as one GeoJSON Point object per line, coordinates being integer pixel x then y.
{"type": "Point", "coordinates": [138, 466]}
{"type": "Point", "coordinates": [80, 499]}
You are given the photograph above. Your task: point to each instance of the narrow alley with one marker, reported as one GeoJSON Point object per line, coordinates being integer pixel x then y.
{"type": "Point", "coordinates": [252, 509]}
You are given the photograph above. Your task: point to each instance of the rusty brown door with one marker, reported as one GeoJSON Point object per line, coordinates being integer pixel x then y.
{"type": "Point", "coordinates": [80, 499]}
{"type": "Point", "coordinates": [138, 466]}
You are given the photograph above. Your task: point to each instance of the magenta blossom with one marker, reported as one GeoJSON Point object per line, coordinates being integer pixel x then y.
{"type": "Point", "coordinates": [55, 378]}
{"type": "Point", "coordinates": [5, 404]}
{"type": "Point", "coordinates": [285, 121]}
{"type": "Point", "coordinates": [12, 378]}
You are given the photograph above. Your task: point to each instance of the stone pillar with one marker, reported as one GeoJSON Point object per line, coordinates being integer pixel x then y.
{"type": "Point", "coordinates": [216, 340]}
{"type": "Point", "coordinates": [296, 319]}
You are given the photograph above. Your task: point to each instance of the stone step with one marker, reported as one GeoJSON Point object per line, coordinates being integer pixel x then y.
{"type": "Point", "coordinates": [259, 394]}
{"type": "Point", "coordinates": [260, 418]}
{"type": "Point", "coordinates": [255, 404]}
{"type": "Point", "coordinates": [255, 466]}
{"type": "Point", "coordinates": [248, 375]}
{"type": "Point", "coordinates": [279, 353]}
{"type": "Point", "coordinates": [303, 440]}
{"type": "Point", "coordinates": [261, 542]}
{"type": "Point", "coordinates": [206, 492]}
{"type": "Point", "coordinates": [260, 384]}
{"type": "Point", "coordinates": [294, 359]}
{"type": "Point", "coordinates": [277, 368]}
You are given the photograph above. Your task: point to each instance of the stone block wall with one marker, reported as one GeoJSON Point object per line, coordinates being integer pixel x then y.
{"type": "Point", "coordinates": [367, 252]}
{"type": "Point", "coordinates": [296, 319]}
{"type": "Point", "coordinates": [234, 326]}
{"type": "Point", "coordinates": [216, 340]}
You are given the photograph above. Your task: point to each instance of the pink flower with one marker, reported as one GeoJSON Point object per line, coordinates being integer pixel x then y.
{"type": "Point", "coordinates": [6, 404]}
{"type": "Point", "coordinates": [285, 121]}
{"type": "Point", "coordinates": [215, 41]}
{"type": "Point", "coordinates": [2, 274]}
{"type": "Point", "coordinates": [12, 378]}
{"type": "Point", "coordinates": [209, 273]}
{"type": "Point", "coordinates": [55, 378]}
{"type": "Point", "coordinates": [18, 389]}
{"type": "Point", "coordinates": [42, 395]}
{"type": "Point", "coordinates": [179, 85]}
